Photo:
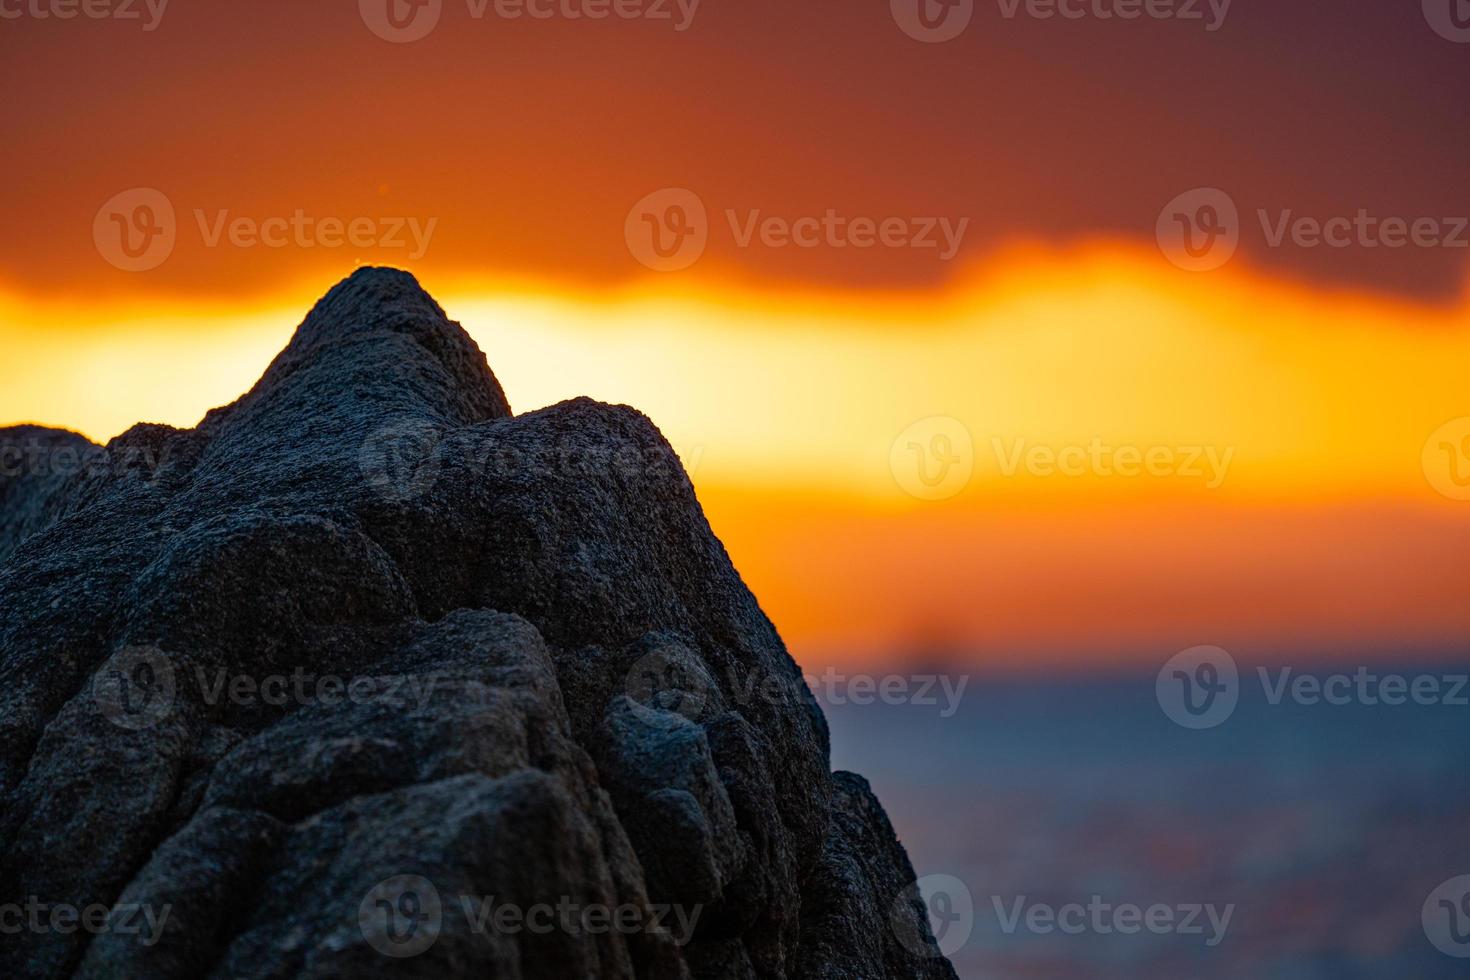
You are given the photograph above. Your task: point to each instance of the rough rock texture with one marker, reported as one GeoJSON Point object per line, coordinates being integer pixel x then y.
{"type": "Point", "coordinates": [325, 685]}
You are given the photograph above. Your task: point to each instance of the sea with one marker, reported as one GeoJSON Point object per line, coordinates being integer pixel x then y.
{"type": "Point", "coordinates": [1068, 828]}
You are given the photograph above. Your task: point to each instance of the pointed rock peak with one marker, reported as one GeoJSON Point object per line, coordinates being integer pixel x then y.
{"type": "Point", "coordinates": [372, 327]}
{"type": "Point", "coordinates": [373, 296]}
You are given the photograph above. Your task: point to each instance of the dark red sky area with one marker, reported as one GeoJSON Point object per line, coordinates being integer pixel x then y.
{"type": "Point", "coordinates": [530, 140]}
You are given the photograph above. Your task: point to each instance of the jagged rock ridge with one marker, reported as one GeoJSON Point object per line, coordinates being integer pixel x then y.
{"type": "Point", "coordinates": [323, 685]}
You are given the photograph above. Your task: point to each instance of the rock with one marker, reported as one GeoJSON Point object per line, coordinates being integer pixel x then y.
{"type": "Point", "coordinates": [366, 676]}
{"type": "Point", "coordinates": [845, 934]}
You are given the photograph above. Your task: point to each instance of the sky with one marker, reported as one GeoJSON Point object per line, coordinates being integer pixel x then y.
{"type": "Point", "coordinates": [1065, 342]}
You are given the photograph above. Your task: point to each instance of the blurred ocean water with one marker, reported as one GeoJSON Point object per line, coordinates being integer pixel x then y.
{"type": "Point", "coordinates": [1323, 829]}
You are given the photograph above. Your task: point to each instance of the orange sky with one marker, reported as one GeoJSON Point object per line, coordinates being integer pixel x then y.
{"type": "Point", "coordinates": [1306, 521]}
{"type": "Point", "coordinates": [909, 453]}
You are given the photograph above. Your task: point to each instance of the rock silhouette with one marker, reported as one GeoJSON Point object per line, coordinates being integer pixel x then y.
{"type": "Point", "coordinates": [367, 676]}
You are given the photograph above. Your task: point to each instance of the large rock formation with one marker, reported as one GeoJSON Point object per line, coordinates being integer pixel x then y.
{"type": "Point", "coordinates": [367, 676]}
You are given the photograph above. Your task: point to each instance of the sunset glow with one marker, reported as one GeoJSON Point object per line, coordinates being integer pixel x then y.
{"type": "Point", "coordinates": [1073, 395]}
{"type": "Point", "coordinates": [786, 406]}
